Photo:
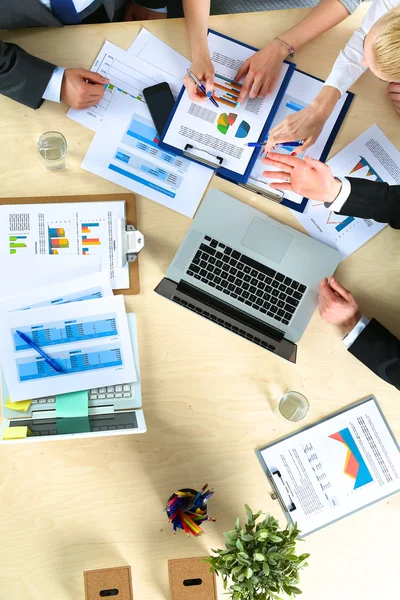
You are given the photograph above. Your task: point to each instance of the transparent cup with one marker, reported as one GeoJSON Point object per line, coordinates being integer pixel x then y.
{"type": "Point", "coordinates": [293, 406]}
{"type": "Point", "coordinates": [52, 147]}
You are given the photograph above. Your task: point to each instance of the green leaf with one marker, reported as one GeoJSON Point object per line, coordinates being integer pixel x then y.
{"type": "Point", "coordinates": [247, 537]}
{"type": "Point", "coordinates": [274, 538]}
{"type": "Point", "coordinates": [258, 556]}
{"type": "Point", "coordinates": [249, 512]}
{"type": "Point", "coordinates": [249, 572]}
{"type": "Point", "coordinates": [237, 523]}
{"type": "Point", "coordinates": [263, 535]}
{"type": "Point", "coordinates": [295, 590]}
{"type": "Point", "coordinates": [239, 545]}
{"type": "Point", "coordinates": [266, 569]}
{"type": "Point", "coordinates": [237, 569]}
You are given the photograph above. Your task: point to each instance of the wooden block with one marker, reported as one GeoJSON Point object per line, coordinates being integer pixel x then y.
{"type": "Point", "coordinates": [190, 579]}
{"type": "Point", "coordinates": [108, 583]}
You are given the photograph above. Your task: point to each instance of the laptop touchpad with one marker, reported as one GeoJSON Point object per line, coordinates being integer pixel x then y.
{"type": "Point", "coordinates": [268, 240]}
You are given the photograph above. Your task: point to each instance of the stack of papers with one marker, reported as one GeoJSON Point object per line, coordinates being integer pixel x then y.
{"type": "Point", "coordinates": [125, 148]}
{"type": "Point", "coordinates": [79, 324]}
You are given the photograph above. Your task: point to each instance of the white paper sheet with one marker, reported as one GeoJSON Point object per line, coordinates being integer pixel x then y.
{"type": "Point", "coordinates": [19, 273]}
{"type": "Point", "coordinates": [89, 340]}
{"type": "Point", "coordinates": [371, 156]}
{"type": "Point", "coordinates": [66, 229]}
{"type": "Point", "coordinates": [155, 52]}
{"type": "Point", "coordinates": [125, 150]}
{"type": "Point", "coordinates": [223, 131]}
{"type": "Point", "coordinates": [128, 75]}
{"type": "Point", "coordinates": [337, 467]}
{"type": "Point", "coordinates": [81, 289]}
{"type": "Point", "coordinates": [300, 92]}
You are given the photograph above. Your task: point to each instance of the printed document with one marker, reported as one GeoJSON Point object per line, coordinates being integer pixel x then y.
{"type": "Point", "coordinates": [125, 150]}
{"type": "Point", "coordinates": [66, 229]}
{"type": "Point", "coordinates": [150, 49]}
{"type": "Point", "coordinates": [225, 131]}
{"type": "Point", "coordinates": [128, 75]}
{"type": "Point", "coordinates": [300, 92]}
{"type": "Point", "coordinates": [19, 273]}
{"type": "Point", "coordinates": [371, 156]}
{"type": "Point", "coordinates": [89, 340]}
{"type": "Point", "coordinates": [71, 290]}
{"type": "Point", "coordinates": [336, 467]}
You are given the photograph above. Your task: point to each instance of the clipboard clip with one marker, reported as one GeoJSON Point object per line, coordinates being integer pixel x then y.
{"type": "Point", "coordinates": [261, 188]}
{"type": "Point", "coordinates": [282, 495]}
{"type": "Point", "coordinates": [211, 160]}
{"type": "Point", "coordinates": [131, 242]}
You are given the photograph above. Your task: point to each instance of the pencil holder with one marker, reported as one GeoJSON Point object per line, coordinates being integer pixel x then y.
{"type": "Point", "coordinates": [187, 510]}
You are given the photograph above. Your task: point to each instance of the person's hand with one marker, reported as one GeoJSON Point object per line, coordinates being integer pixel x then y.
{"type": "Point", "coordinates": [81, 88]}
{"type": "Point", "coordinates": [309, 177]}
{"type": "Point", "coordinates": [261, 71]}
{"type": "Point", "coordinates": [204, 70]}
{"type": "Point", "coordinates": [305, 125]}
{"type": "Point", "coordinates": [337, 305]}
{"type": "Point", "coordinates": [393, 90]}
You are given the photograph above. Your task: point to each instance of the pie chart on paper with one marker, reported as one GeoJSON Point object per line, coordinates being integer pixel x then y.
{"type": "Point", "coordinates": [242, 130]}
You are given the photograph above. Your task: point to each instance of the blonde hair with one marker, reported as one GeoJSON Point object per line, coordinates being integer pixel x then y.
{"type": "Point", "coordinates": [386, 45]}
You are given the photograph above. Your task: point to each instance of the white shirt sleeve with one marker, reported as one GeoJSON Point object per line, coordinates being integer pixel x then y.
{"type": "Point", "coordinates": [341, 198]}
{"type": "Point", "coordinates": [53, 89]}
{"type": "Point", "coordinates": [351, 337]}
{"type": "Point", "coordinates": [348, 68]}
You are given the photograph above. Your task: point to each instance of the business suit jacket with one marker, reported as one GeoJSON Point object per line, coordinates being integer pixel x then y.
{"type": "Point", "coordinates": [376, 347]}
{"type": "Point", "coordinates": [23, 77]}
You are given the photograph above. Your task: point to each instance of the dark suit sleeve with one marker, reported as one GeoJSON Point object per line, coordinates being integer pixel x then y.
{"type": "Point", "coordinates": [379, 350]}
{"type": "Point", "coordinates": [373, 200]}
{"type": "Point", "coordinates": [23, 77]}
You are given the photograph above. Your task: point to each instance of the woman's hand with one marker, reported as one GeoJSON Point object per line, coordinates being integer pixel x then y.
{"type": "Point", "coordinates": [305, 125]}
{"type": "Point", "coordinates": [261, 70]}
{"type": "Point", "coordinates": [204, 70]}
{"type": "Point", "coordinates": [309, 177]}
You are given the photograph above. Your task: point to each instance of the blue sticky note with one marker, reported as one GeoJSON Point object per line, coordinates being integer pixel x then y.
{"type": "Point", "coordinates": [75, 404]}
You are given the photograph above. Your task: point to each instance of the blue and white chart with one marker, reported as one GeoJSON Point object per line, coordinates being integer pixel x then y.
{"type": "Point", "coordinates": [89, 340]}
{"type": "Point", "coordinates": [371, 156]}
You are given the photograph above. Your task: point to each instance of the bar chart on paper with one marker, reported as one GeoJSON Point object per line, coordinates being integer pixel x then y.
{"type": "Point", "coordinates": [88, 236]}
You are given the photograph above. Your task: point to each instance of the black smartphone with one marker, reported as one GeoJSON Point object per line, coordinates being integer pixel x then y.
{"type": "Point", "coordinates": [160, 102]}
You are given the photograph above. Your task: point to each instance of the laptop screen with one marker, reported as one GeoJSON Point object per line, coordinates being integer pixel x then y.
{"type": "Point", "coordinates": [93, 423]}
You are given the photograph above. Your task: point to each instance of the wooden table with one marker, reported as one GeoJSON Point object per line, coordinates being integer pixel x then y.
{"type": "Point", "coordinates": [75, 505]}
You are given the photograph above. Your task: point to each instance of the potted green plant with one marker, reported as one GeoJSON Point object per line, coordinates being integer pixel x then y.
{"type": "Point", "coordinates": [259, 559]}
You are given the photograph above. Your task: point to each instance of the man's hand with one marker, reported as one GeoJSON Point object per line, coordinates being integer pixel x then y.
{"type": "Point", "coordinates": [81, 88]}
{"type": "Point", "coordinates": [393, 90]}
{"type": "Point", "coordinates": [261, 71]}
{"type": "Point", "coordinates": [204, 70]}
{"type": "Point", "coordinates": [309, 177]}
{"type": "Point", "coordinates": [337, 305]}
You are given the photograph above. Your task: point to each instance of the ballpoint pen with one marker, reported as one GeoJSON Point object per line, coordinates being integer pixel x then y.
{"type": "Point", "coordinates": [32, 344]}
{"type": "Point", "coordinates": [201, 86]}
{"type": "Point", "coordinates": [283, 144]}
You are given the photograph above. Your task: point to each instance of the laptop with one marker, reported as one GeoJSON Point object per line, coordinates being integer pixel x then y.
{"type": "Point", "coordinates": [113, 410]}
{"type": "Point", "coordinates": [249, 274]}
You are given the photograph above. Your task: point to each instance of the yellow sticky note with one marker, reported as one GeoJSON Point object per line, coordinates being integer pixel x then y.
{"type": "Point", "coordinates": [16, 433]}
{"type": "Point", "coordinates": [23, 405]}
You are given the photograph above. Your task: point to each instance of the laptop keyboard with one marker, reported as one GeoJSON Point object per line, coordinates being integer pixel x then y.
{"type": "Point", "coordinates": [111, 392]}
{"type": "Point", "coordinates": [246, 280]}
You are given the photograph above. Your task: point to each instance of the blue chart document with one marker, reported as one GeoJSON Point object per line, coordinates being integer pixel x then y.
{"type": "Point", "coordinates": [88, 340]}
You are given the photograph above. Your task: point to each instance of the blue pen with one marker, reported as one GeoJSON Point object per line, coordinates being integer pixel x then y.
{"type": "Point", "coordinates": [283, 144]}
{"type": "Point", "coordinates": [49, 360]}
{"type": "Point", "coordinates": [201, 86]}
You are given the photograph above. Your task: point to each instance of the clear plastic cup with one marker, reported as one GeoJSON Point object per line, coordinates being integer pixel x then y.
{"type": "Point", "coordinates": [293, 406]}
{"type": "Point", "coordinates": [52, 147]}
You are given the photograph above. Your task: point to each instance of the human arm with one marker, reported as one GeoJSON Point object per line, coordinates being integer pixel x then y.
{"type": "Point", "coordinates": [30, 80]}
{"type": "Point", "coordinates": [308, 123]}
{"type": "Point", "coordinates": [263, 68]}
{"type": "Point", "coordinates": [374, 346]}
{"type": "Point", "coordinates": [350, 196]}
{"type": "Point", "coordinates": [197, 13]}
